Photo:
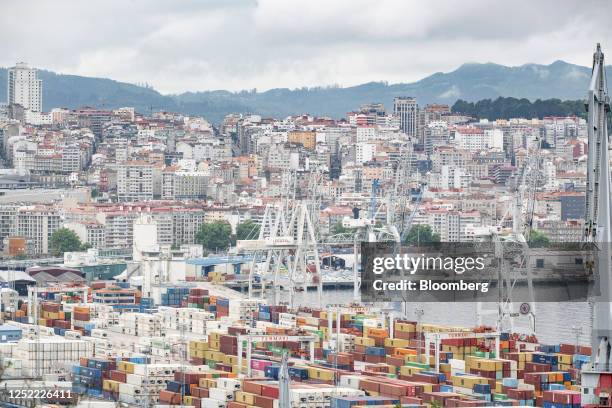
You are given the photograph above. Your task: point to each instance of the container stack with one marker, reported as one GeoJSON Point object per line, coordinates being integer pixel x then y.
{"type": "Point", "coordinates": [244, 309]}
{"type": "Point", "coordinates": [197, 298]}
{"type": "Point", "coordinates": [49, 354]}
{"type": "Point", "coordinates": [81, 318]}
{"type": "Point", "coordinates": [52, 315]}
{"type": "Point", "coordinates": [140, 324]}
{"type": "Point", "coordinates": [173, 296]}
{"type": "Point", "coordinates": [561, 399]}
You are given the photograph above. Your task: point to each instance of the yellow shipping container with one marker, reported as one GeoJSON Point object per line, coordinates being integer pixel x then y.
{"type": "Point", "coordinates": [199, 345]}
{"type": "Point", "coordinates": [244, 397]}
{"type": "Point", "coordinates": [110, 385]}
{"type": "Point", "coordinates": [468, 381]}
{"type": "Point", "coordinates": [364, 341]}
{"type": "Point", "coordinates": [396, 343]}
{"type": "Point", "coordinates": [405, 327]}
{"type": "Point", "coordinates": [320, 374]}
{"type": "Point", "coordinates": [207, 383]}
{"type": "Point", "coordinates": [499, 387]}
{"type": "Point", "coordinates": [126, 367]}
{"type": "Point", "coordinates": [408, 370]}
{"type": "Point", "coordinates": [427, 387]}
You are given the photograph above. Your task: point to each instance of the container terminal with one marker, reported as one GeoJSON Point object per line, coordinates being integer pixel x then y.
{"type": "Point", "coordinates": [227, 332]}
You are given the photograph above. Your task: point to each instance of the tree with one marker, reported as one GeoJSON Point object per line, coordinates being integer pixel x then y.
{"type": "Point", "coordinates": [508, 107]}
{"type": "Point", "coordinates": [421, 234]}
{"type": "Point", "coordinates": [247, 230]}
{"type": "Point", "coordinates": [338, 228]}
{"type": "Point", "coordinates": [538, 240]}
{"type": "Point", "coordinates": [64, 240]}
{"type": "Point", "coordinates": [215, 236]}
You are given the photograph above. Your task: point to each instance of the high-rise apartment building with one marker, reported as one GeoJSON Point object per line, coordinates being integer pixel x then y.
{"type": "Point", "coordinates": [24, 88]}
{"type": "Point", "coordinates": [135, 181]}
{"type": "Point", "coordinates": [38, 223]}
{"type": "Point", "coordinates": [406, 108]}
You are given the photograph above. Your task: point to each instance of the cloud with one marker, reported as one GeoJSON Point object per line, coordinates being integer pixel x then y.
{"type": "Point", "coordinates": [243, 44]}
{"type": "Point", "coordinates": [452, 92]}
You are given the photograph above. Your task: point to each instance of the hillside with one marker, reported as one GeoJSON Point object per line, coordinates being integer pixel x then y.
{"type": "Point", "coordinates": [470, 82]}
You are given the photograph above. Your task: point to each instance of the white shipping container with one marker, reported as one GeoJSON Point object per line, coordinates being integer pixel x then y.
{"type": "Point", "coordinates": [221, 394]}
{"type": "Point", "coordinates": [212, 403]}
{"type": "Point", "coordinates": [351, 381]}
{"type": "Point", "coordinates": [230, 384]}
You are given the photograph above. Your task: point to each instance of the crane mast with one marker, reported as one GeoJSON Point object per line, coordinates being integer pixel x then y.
{"type": "Point", "coordinates": [598, 220]}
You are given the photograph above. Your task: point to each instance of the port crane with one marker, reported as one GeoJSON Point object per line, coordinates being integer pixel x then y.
{"type": "Point", "coordinates": [284, 399]}
{"type": "Point", "coordinates": [512, 250]}
{"type": "Point", "coordinates": [597, 377]}
{"type": "Point", "coordinates": [288, 246]}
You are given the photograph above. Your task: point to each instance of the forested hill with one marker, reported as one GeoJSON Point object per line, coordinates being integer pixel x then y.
{"type": "Point", "coordinates": [470, 82]}
{"type": "Point", "coordinates": [503, 108]}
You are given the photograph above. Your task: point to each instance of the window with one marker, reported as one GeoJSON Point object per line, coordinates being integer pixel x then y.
{"type": "Point", "coordinates": [540, 263]}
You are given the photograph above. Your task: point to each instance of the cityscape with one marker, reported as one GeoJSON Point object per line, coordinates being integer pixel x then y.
{"type": "Point", "coordinates": [162, 250]}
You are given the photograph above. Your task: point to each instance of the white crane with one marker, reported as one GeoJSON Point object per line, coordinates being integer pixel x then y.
{"type": "Point", "coordinates": [598, 232]}
{"type": "Point", "coordinates": [598, 209]}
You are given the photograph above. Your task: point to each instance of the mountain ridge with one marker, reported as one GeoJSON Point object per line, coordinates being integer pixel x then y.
{"type": "Point", "coordinates": [470, 82]}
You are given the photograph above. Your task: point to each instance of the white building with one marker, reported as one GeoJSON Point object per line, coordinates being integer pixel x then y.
{"type": "Point", "coordinates": [38, 223]}
{"type": "Point", "coordinates": [475, 139]}
{"type": "Point", "coordinates": [454, 178]}
{"type": "Point", "coordinates": [92, 233]}
{"type": "Point", "coordinates": [364, 152]}
{"type": "Point", "coordinates": [24, 87]}
{"type": "Point", "coordinates": [436, 134]}
{"type": "Point", "coordinates": [135, 181]}
{"type": "Point", "coordinates": [366, 133]}
{"type": "Point", "coordinates": [184, 185]}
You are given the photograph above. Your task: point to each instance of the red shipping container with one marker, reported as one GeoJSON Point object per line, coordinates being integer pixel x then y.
{"type": "Point", "coordinates": [188, 378]}
{"type": "Point", "coordinates": [120, 376]}
{"type": "Point", "coordinates": [171, 398]}
{"type": "Point", "coordinates": [252, 387]}
{"type": "Point", "coordinates": [199, 392]}
{"type": "Point", "coordinates": [264, 402]}
{"type": "Point", "coordinates": [270, 391]}
{"type": "Point", "coordinates": [393, 390]}
{"type": "Point", "coordinates": [84, 317]}
{"type": "Point", "coordinates": [411, 400]}
{"type": "Point", "coordinates": [369, 385]}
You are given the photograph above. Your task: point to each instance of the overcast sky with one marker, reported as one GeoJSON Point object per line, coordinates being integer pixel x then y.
{"type": "Point", "coordinates": [180, 45]}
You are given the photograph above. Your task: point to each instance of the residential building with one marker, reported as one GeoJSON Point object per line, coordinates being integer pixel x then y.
{"type": "Point", "coordinates": [24, 88]}
{"type": "Point", "coordinates": [135, 181]}
{"type": "Point", "coordinates": [38, 223]}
